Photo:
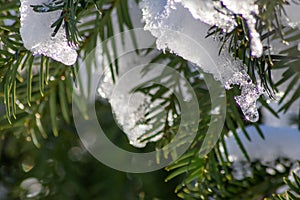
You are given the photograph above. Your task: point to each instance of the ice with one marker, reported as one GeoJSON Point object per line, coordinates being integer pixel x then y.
{"type": "Point", "coordinates": [177, 30]}
{"type": "Point", "coordinates": [249, 95]}
{"type": "Point", "coordinates": [36, 34]}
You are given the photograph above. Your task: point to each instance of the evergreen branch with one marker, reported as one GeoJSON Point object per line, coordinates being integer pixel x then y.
{"type": "Point", "coordinates": [213, 182]}
{"type": "Point", "coordinates": [293, 193]}
{"type": "Point", "coordinates": [48, 92]}
{"type": "Point", "coordinates": [14, 94]}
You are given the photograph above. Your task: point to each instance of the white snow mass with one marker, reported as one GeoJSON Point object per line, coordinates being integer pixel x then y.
{"type": "Point", "coordinates": [178, 30]}
{"type": "Point", "coordinates": [214, 14]}
{"type": "Point", "coordinates": [36, 34]}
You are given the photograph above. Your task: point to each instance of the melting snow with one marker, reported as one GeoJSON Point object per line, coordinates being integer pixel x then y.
{"type": "Point", "coordinates": [179, 30]}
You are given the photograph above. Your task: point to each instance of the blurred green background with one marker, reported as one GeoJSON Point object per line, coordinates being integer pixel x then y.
{"type": "Point", "coordinates": [62, 169]}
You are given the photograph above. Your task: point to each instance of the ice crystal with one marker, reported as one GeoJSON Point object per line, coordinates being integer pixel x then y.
{"type": "Point", "coordinates": [249, 94]}
{"type": "Point", "coordinates": [36, 33]}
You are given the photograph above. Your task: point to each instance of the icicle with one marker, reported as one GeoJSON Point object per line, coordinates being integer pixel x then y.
{"type": "Point", "coordinates": [249, 94]}
{"type": "Point", "coordinates": [36, 34]}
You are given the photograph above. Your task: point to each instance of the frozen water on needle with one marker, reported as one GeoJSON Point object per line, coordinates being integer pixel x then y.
{"type": "Point", "coordinates": [36, 34]}
{"type": "Point", "coordinates": [176, 25]}
{"type": "Point", "coordinates": [249, 95]}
